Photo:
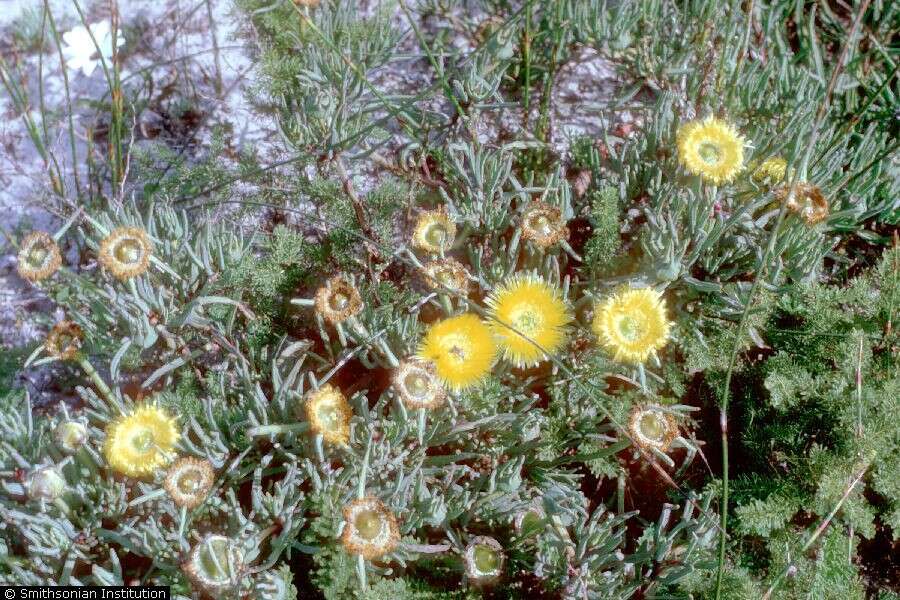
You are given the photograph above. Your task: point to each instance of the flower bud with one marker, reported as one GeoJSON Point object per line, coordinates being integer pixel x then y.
{"type": "Point", "coordinates": [46, 483]}
{"type": "Point", "coordinates": [70, 436]}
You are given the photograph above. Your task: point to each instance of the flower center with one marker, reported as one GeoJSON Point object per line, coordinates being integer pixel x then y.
{"type": "Point", "coordinates": [142, 441]}
{"type": "Point", "coordinates": [190, 482]}
{"type": "Point", "coordinates": [216, 560]}
{"type": "Point", "coordinates": [526, 321]}
{"type": "Point", "coordinates": [128, 251]}
{"type": "Point", "coordinates": [339, 301]}
{"type": "Point", "coordinates": [540, 224]}
{"type": "Point", "coordinates": [486, 559]}
{"type": "Point", "coordinates": [36, 257]}
{"type": "Point", "coordinates": [652, 427]}
{"type": "Point", "coordinates": [630, 328]}
{"type": "Point", "coordinates": [437, 235]}
{"type": "Point", "coordinates": [417, 385]}
{"type": "Point", "coordinates": [330, 416]}
{"type": "Point", "coordinates": [710, 153]}
{"type": "Point", "coordinates": [368, 524]}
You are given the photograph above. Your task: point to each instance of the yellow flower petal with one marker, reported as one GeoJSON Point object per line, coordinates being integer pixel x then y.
{"type": "Point", "coordinates": [527, 310]}
{"type": "Point", "coordinates": [140, 442]}
{"type": "Point", "coordinates": [632, 324]}
{"type": "Point", "coordinates": [712, 149]}
{"type": "Point", "coordinates": [462, 349]}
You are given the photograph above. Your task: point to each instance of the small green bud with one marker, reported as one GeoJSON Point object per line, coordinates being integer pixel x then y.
{"type": "Point", "coordinates": [46, 483]}
{"type": "Point", "coordinates": [70, 436]}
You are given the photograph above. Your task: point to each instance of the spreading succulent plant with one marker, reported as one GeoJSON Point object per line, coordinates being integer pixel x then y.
{"type": "Point", "coordinates": [655, 362]}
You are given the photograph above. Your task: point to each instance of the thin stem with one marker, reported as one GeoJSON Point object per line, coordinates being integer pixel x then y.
{"type": "Point", "coordinates": [761, 268]}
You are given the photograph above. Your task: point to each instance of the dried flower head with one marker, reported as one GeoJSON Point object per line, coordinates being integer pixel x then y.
{"type": "Point", "coordinates": [125, 252]}
{"type": "Point", "coordinates": [434, 231]}
{"type": "Point", "coordinates": [416, 382]}
{"type": "Point", "coordinates": [307, 3]}
{"type": "Point", "coordinates": [462, 349]}
{"type": "Point", "coordinates": [64, 340]}
{"type": "Point", "coordinates": [652, 427]}
{"type": "Point", "coordinates": [141, 441]}
{"type": "Point", "coordinates": [807, 201]}
{"type": "Point", "coordinates": [338, 300]}
{"type": "Point", "coordinates": [70, 436]}
{"type": "Point", "coordinates": [328, 413]}
{"type": "Point", "coordinates": [484, 560]}
{"type": "Point", "coordinates": [632, 324]}
{"type": "Point", "coordinates": [216, 565]}
{"type": "Point", "coordinates": [543, 224]}
{"type": "Point", "coordinates": [711, 148]}
{"type": "Point", "coordinates": [526, 309]}
{"type": "Point", "coordinates": [188, 481]}
{"type": "Point", "coordinates": [370, 529]}
{"type": "Point", "coordinates": [38, 257]}
{"type": "Point", "coordinates": [45, 483]}
{"type": "Point", "coordinates": [771, 170]}
{"type": "Point", "coordinates": [447, 274]}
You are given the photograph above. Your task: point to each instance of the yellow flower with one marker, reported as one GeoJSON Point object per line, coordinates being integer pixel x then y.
{"type": "Point", "coordinates": [543, 224]}
{"type": "Point", "coordinates": [434, 231]}
{"type": "Point", "coordinates": [338, 300]}
{"type": "Point", "coordinates": [462, 349]}
{"type": "Point", "coordinates": [771, 170]}
{"type": "Point", "coordinates": [712, 149]}
{"type": "Point", "coordinates": [139, 442]}
{"type": "Point", "coordinates": [447, 274]}
{"type": "Point", "coordinates": [416, 382]}
{"type": "Point", "coordinates": [64, 340]}
{"type": "Point", "coordinates": [632, 324]}
{"type": "Point", "coordinates": [125, 252]}
{"type": "Point", "coordinates": [188, 481]}
{"type": "Point", "coordinates": [329, 414]}
{"type": "Point", "coordinates": [526, 309]}
{"type": "Point", "coordinates": [651, 427]}
{"type": "Point", "coordinates": [370, 529]}
{"type": "Point", "coordinates": [38, 257]}
{"type": "Point", "coordinates": [807, 201]}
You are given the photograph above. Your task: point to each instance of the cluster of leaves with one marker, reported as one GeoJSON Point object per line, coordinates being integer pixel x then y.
{"type": "Point", "coordinates": [799, 318]}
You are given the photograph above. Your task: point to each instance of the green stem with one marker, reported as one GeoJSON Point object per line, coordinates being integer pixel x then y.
{"type": "Point", "coordinates": [95, 378]}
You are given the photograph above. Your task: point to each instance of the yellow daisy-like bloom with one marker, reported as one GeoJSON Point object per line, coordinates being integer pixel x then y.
{"type": "Point", "coordinates": [64, 340]}
{"type": "Point", "coordinates": [527, 310]}
{"type": "Point", "coordinates": [807, 201]}
{"type": "Point", "coordinates": [434, 232]}
{"type": "Point", "coordinates": [328, 413]}
{"type": "Point", "coordinates": [632, 324]}
{"type": "Point", "coordinates": [140, 442]}
{"type": "Point", "coordinates": [447, 274]}
{"type": "Point", "coordinates": [771, 170]}
{"type": "Point", "coordinates": [462, 349]}
{"type": "Point", "coordinates": [370, 529]}
{"type": "Point", "coordinates": [338, 300]}
{"type": "Point", "coordinates": [38, 257]}
{"type": "Point", "coordinates": [711, 148]}
{"type": "Point", "coordinates": [417, 384]}
{"type": "Point", "coordinates": [188, 481]}
{"type": "Point", "coordinates": [543, 224]}
{"type": "Point", "coordinates": [125, 252]}
{"type": "Point", "coordinates": [651, 427]}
